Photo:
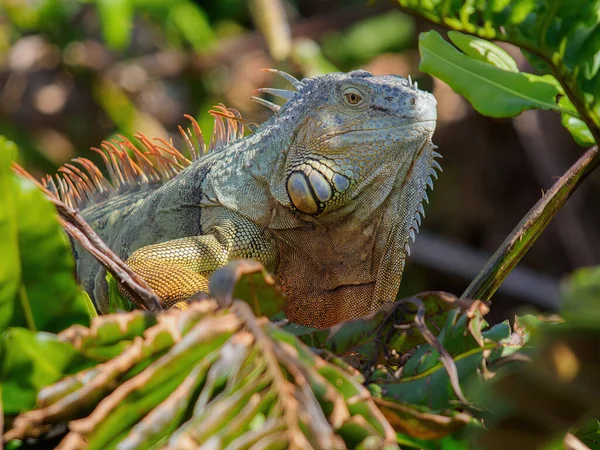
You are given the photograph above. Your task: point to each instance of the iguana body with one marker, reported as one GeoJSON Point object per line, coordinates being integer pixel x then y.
{"type": "Point", "coordinates": [325, 194]}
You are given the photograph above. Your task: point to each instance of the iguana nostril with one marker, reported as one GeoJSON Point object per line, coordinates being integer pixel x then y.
{"type": "Point", "coordinates": [412, 101]}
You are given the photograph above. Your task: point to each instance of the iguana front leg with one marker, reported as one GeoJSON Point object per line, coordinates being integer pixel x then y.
{"type": "Point", "coordinates": [178, 269]}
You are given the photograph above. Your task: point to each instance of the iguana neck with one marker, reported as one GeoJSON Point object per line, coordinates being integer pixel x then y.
{"type": "Point", "coordinates": [240, 175]}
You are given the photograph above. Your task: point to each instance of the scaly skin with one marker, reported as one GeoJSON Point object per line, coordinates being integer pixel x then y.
{"type": "Point", "coordinates": [324, 194]}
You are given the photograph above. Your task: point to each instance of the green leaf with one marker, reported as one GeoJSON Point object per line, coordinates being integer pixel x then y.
{"type": "Point", "coordinates": [589, 433]}
{"type": "Point", "coordinates": [10, 269]}
{"type": "Point", "coordinates": [116, 19]}
{"type": "Point", "coordinates": [249, 281]}
{"type": "Point", "coordinates": [368, 334]}
{"type": "Point", "coordinates": [558, 37]}
{"type": "Point", "coordinates": [581, 296]}
{"type": "Point", "coordinates": [193, 24]}
{"type": "Point", "coordinates": [548, 396]}
{"type": "Point", "coordinates": [30, 361]}
{"type": "Point", "coordinates": [425, 380]}
{"type": "Point", "coordinates": [419, 421]}
{"type": "Point", "coordinates": [492, 91]}
{"type": "Point", "coordinates": [445, 443]}
{"type": "Point", "coordinates": [88, 304]}
{"type": "Point", "coordinates": [37, 283]}
{"type": "Point", "coordinates": [577, 127]}
{"type": "Point", "coordinates": [116, 302]}
{"type": "Point", "coordinates": [483, 50]}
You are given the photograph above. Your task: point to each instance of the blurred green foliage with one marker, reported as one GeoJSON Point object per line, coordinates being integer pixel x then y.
{"type": "Point", "coordinates": [184, 20]}
{"type": "Point", "coordinates": [37, 287]}
{"type": "Point", "coordinates": [391, 32]}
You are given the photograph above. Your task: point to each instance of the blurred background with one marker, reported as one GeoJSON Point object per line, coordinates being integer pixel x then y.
{"type": "Point", "coordinates": [74, 72]}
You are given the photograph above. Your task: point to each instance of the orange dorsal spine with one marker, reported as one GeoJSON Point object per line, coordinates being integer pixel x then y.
{"type": "Point", "coordinates": [81, 183]}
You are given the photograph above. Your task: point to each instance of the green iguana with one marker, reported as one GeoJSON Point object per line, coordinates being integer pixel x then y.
{"type": "Point", "coordinates": [326, 195]}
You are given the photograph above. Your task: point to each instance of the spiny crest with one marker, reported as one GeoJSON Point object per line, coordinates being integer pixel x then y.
{"type": "Point", "coordinates": [129, 169]}
{"type": "Point", "coordinates": [298, 85]}
{"type": "Point", "coordinates": [282, 93]}
{"type": "Point", "coordinates": [420, 212]}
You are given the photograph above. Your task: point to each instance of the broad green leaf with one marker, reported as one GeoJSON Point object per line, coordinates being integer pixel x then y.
{"type": "Point", "coordinates": [37, 283]}
{"type": "Point", "coordinates": [30, 361]}
{"type": "Point", "coordinates": [10, 269]}
{"type": "Point", "coordinates": [424, 379]}
{"type": "Point", "coordinates": [558, 37]}
{"type": "Point", "coordinates": [492, 91]}
{"type": "Point", "coordinates": [483, 50]}
{"type": "Point", "coordinates": [431, 388]}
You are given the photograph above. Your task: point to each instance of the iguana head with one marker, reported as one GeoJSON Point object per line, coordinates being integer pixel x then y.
{"type": "Point", "coordinates": [352, 129]}
{"type": "Point", "coordinates": [355, 161]}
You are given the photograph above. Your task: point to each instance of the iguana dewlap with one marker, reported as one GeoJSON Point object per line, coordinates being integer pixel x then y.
{"type": "Point", "coordinates": [326, 195]}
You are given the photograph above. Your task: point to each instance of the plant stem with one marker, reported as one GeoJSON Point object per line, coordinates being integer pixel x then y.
{"type": "Point", "coordinates": [26, 307]}
{"type": "Point", "coordinates": [529, 229]}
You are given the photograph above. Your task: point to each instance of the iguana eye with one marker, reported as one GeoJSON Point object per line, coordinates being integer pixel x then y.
{"type": "Point", "coordinates": [352, 97]}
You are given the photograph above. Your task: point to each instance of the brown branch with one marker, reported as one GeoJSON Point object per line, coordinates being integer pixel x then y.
{"type": "Point", "coordinates": [572, 443]}
{"type": "Point", "coordinates": [530, 228]}
{"type": "Point", "coordinates": [137, 289]}
{"type": "Point", "coordinates": [72, 222]}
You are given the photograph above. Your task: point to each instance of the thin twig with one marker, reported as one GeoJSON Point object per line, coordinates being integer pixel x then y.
{"type": "Point", "coordinates": [445, 357]}
{"type": "Point", "coordinates": [135, 286]}
{"type": "Point", "coordinates": [78, 228]}
{"type": "Point", "coordinates": [572, 443]}
{"type": "Point", "coordinates": [514, 357]}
